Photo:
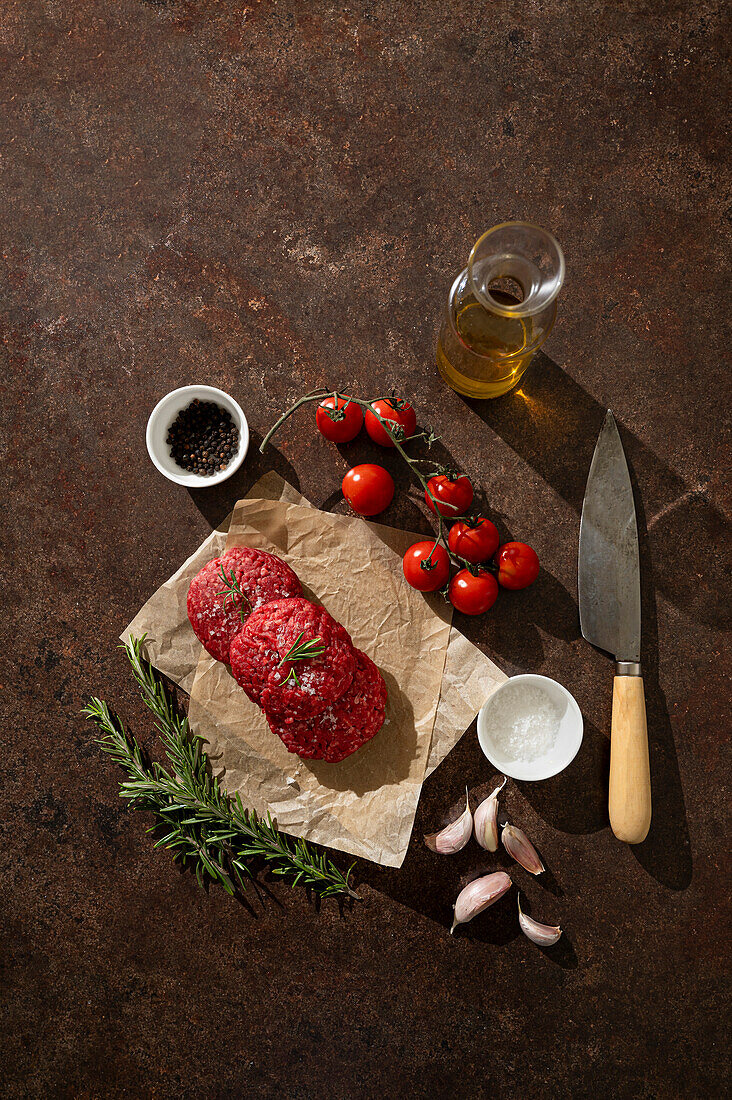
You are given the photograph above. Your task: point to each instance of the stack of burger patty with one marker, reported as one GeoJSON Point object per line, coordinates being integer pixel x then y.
{"type": "Point", "coordinates": [321, 696]}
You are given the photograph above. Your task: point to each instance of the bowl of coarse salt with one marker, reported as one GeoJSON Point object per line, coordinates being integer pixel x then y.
{"type": "Point", "coordinates": [530, 727]}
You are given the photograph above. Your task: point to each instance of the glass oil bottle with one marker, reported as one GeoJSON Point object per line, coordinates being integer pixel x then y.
{"type": "Point", "coordinates": [500, 309]}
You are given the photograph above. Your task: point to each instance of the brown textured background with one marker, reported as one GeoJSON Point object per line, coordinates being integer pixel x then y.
{"type": "Point", "coordinates": [266, 197]}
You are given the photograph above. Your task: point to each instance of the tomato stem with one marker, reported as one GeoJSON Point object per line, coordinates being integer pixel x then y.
{"type": "Point", "coordinates": [388, 426]}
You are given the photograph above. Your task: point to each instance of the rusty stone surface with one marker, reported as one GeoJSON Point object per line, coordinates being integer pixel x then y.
{"type": "Point", "coordinates": [268, 196]}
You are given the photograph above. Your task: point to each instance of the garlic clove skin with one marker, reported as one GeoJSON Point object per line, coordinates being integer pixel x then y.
{"type": "Point", "coordinates": [453, 837]}
{"type": "Point", "coordinates": [485, 820]}
{"type": "Point", "coordinates": [478, 895]}
{"type": "Point", "coordinates": [520, 848]}
{"type": "Point", "coordinates": [544, 935]}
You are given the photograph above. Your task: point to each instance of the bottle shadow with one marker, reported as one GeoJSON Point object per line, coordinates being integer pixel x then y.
{"type": "Point", "coordinates": [553, 424]}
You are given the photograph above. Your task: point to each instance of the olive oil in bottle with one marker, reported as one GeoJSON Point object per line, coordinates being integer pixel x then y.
{"type": "Point", "coordinates": [500, 310]}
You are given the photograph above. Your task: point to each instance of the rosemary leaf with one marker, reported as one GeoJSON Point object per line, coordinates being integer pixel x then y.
{"type": "Point", "coordinates": [231, 589]}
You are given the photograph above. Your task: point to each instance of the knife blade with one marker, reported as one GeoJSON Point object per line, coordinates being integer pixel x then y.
{"type": "Point", "coordinates": [609, 573]}
{"type": "Point", "coordinates": [608, 584]}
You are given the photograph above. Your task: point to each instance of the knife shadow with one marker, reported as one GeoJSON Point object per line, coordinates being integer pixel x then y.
{"type": "Point", "coordinates": [553, 424]}
{"type": "Point", "coordinates": [666, 852]}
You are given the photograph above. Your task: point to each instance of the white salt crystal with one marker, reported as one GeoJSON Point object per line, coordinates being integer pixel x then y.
{"type": "Point", "coordinates": [523, 722]}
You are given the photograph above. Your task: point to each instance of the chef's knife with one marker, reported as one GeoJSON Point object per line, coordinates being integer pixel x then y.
{"type": "Point", "coordinates": [610, 618]}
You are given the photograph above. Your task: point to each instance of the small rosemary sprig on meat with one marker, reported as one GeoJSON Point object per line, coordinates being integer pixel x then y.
{"type": "Point", "coordinates": [209, 830]}
{"type": "Point", "coordinates": [233, 588]}
{"type": "Point", "coordinates": [301, 651]}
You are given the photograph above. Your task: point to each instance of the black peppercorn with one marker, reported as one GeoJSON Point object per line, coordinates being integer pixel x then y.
{"type": "Point", "coordinates": [202, 438]}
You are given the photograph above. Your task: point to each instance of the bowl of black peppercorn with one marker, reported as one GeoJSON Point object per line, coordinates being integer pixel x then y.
{"type": "Point", "coordinates": [197, 436]}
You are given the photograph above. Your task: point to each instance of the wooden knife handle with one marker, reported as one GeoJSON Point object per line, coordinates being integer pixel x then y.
{"type": "Point", "coordinates": [629, 800]}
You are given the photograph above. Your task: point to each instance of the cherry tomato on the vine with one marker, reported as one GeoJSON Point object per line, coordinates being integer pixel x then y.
{"type": "Point", "coordinates": [453, 497]}
{"type": "Point", "coordinates": [518, 565]}
{"type": "Point", "coordinates": [399, 412]}
{"type": "Point", "coordinates": [368, 489]}
{"type": "Point", "coordinates": [474, 540]}
{"type": "Point", "coordinates": [340, 419]}
{"type": "Point", "coordinates": [426, 566]}
{"type": "Point", "coordinates": [473, 593]}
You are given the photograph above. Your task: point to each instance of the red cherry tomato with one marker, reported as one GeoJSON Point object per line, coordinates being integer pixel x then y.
{"type": "Point", "coordinates": [473, 594]}
{"type": "Point", "coordinates": [342, 423]}
{"type": "Point", "coordinates": [518, 565]}
{"type": "Point", "coordinates": [474, 541]}
{"type": "Point", "coordinates": [395, 410]}
{"type": "Point", "coordinates": [368, 489]}
{"type": "Point", "coordinates": [426, 566]}
{"type": "Point", "coordinates": [453, 497]}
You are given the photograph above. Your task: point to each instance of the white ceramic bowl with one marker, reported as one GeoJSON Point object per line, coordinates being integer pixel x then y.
{"type": "Point", "coordinates": [567, 742]}
{"type": "Point", "coordinates": [163, 416]}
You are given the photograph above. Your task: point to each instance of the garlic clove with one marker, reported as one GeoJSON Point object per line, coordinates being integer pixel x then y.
{"type": "Point", "coordinates": [545, 935]}
{"type": "Point", "coordinates": [478, 895]}
{"type": "Point", "coordinates": [453, 837]}
{"type": "Point", "coordinates": [485, 820]}
{"type": "Point", "coordinates": [520, 848]}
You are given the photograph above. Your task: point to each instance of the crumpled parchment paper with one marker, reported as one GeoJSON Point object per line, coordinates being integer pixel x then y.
{"type": "Point", "coordinates": [437, 680]}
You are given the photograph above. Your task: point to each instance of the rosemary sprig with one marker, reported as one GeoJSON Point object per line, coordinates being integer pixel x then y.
{"type": "Point", "coordinates": [301, 651]}
{"type": "Point", "coordinates": [207, 829]}
{"type": "Point", "coordinates": [233, 588]}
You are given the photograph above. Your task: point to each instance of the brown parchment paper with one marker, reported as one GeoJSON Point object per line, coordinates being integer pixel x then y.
{"type": "Point", "coordinates": [468, 675]}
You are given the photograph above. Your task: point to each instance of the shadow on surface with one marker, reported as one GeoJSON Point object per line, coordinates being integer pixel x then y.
{"type": "Point", "coordinates": [666, 852]}
{"type": "Point", "coordinates": [388, 760]}
{"type": "Point", "coordinates": [515, 635]}
{"type": "Point", "coordinates": [429, 883]}
{"type": "Point", "coordinates": [215, 503]}
{"type": "Point", "coordinates": [553, 424]}
{"type": "Point", "coordinates": [575, 801]}
{"type": "Point", "coordinates": [562, 953]}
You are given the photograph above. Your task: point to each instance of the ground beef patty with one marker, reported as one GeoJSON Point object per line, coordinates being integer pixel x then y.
{"type": "Point", "coordinates": [345, 725]}
{"type": "Point", "coordinates": [258, 651]}
{"type": "Point", "coordinates": [215, 615]}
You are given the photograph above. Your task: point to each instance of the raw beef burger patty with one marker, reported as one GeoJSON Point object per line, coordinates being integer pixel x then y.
{"type": "Point", "coordinates": [214, 616]}
{"type": "Point", "coordinates": [345, 725]}
{"type": "Point", "coordinates": [268, 635]}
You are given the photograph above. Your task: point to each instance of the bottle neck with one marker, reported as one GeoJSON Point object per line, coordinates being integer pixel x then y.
{"type": "Point", "coordinates": [516, 270]}
{"type": "Point", "coordinates": [509, 286]}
